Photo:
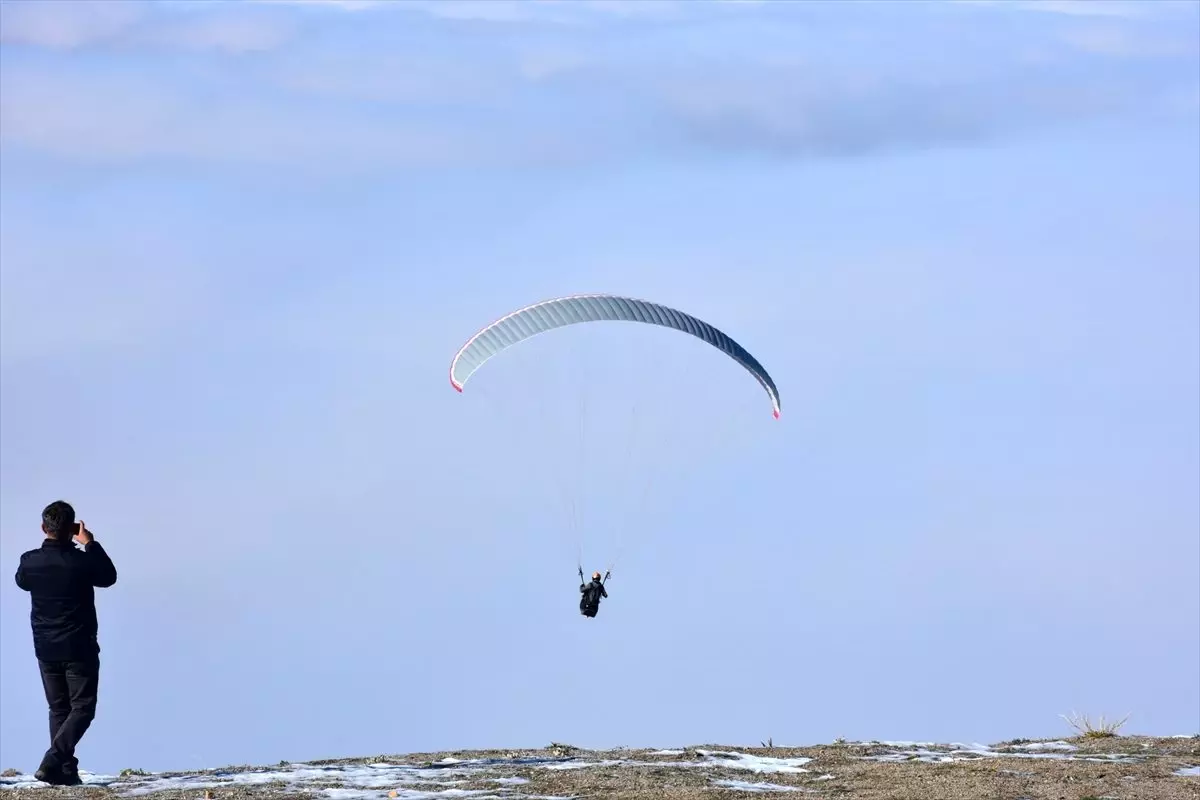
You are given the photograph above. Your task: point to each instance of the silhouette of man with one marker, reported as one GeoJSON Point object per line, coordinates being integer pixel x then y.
{"type": "Point", "coordinates": [61, 581]}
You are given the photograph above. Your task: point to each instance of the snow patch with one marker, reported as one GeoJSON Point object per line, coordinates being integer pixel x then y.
{"type": "Point", "coordinates": [743, 786]}
{"type": "Point", "coordinates": [710, 758]}
{"type": "Point", "coordinates": [953, 753]}
{"type": "Point", "coordinates": [1188, 772]}
{"type": "Point", "coordinates": [30, 782]}
{"type": "Point", "coordinates": [439, 781]}
{"type": "Point", "coordinates": [1059, 745]}
{"type": "Point", "coordinates": [753, 763]}
{"type": "Point", "coordinates": [586, 764]}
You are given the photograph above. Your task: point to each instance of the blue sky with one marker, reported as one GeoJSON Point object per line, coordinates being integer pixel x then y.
{"type": "Point", "coordinates": [240, 244]}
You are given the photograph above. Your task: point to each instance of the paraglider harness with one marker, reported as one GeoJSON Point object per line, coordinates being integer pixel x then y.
{"type": "Point", "coordinates": [589, 603]}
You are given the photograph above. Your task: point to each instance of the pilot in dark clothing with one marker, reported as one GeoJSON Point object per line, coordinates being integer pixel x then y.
{"type": "Point", "coordinates": [591, 593]}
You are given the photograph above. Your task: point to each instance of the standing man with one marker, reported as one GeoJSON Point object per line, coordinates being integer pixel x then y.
{"type": "Point", "coordinates": [60, 579]}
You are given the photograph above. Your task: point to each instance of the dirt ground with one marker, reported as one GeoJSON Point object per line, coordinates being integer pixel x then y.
{"type": "Point", "coordinates": [1119, 768]}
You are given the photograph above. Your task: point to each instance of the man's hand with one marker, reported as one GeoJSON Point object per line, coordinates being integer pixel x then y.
{"type": "Point", "coordinates": [82, 534]}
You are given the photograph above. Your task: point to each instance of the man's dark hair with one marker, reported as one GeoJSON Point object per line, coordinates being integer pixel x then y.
{"type": "Point", "coordinates": [59, 519]}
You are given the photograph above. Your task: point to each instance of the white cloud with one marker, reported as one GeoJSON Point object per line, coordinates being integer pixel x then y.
{"type": "Point", "coordinates": [77, 24]}
{"type": "Point", "coordinates": [395, 78]}
{"type": "Point", "coordinates": [536, 65]}
{"type": "Point", "coordinates": [227, 32]}
{"type": "Point", "coordinates": [328, 103]}
{"type": "Point", "coordinates": [1071, 7]}
{"type": "Point", "coordinates": [105, 118]}
{"type": "Point", "coordinates": [485, 10]}
{"type": "Point", "coordinates": [552, 11]}
{"type": "Point", "coordinates": [342, 5]}
{"type": "Point", "coordinates": [1092, 8]}
{"type": "Point", "coordinates": [1085, 8]}
{"type": "Point", "coordinates": [1124, 43]}
{"type": "Point", "coordinates": [67, 24]}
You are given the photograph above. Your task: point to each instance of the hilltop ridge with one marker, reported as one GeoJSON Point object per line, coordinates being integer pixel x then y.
{"type": "Point", "coordinates": [1080, 768]}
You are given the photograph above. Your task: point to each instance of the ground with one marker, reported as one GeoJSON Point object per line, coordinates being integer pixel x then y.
{"type": "Point", "coordinates": [1116, 768]}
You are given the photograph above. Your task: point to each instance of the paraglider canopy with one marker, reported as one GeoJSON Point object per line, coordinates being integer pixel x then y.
{"type": "Point", "coordinates": [547, 315]}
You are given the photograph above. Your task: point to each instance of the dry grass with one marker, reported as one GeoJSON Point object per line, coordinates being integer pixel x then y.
{"type": "Point", "coordinates": [1100, 730]}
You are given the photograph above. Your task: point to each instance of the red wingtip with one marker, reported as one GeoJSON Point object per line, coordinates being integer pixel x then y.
{"type": "Point", "coordinates": [457, 388]}
{"type": "Point", "coordinates": [776, 413]}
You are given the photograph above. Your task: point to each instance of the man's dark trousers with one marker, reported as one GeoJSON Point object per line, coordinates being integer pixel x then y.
{"type": "Point", "coordinates": [71, 688]}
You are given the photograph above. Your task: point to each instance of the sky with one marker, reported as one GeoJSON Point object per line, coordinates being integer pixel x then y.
{"type": "Point", "coordinates": [240, 243]}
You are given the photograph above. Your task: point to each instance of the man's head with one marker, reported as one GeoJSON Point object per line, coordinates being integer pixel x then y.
{"type": "Point", "coordinates": [58, 520]}
{"type": "Point", "coordinates": [595, 576]}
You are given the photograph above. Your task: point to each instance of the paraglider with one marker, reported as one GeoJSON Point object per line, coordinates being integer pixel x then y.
{"type": "Point", "coordinates": [548, 315]}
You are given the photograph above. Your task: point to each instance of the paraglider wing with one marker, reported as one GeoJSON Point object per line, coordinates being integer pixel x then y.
{"type": "Point", "coordinates": [549, 314]}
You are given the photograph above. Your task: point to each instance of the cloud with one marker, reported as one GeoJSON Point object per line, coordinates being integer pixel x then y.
{"type": "Point", "coordinates": [340, 5]}
{"type": "Point", "coordinates": [67, 24]}
{"type": "Point", "coordinates": [385, 92]}
{"type": "Point", "coordinates": [118, 118]}
{"type": "Point", "coordinates": [1125, 43]}
{"type": "Point", "coordinates": [391, 78]}
{"type": "Point", "coordinates": [1075, 8]}
{"type": "Point", "coordinates": [501, 11]}
{"type": "Point", "coordinates": [1131, 30]}
{"type": "Point", "coordinates": [797, 115]}
{"type": "Point", "coordinates": [491, 10]}
{"type": "Point", "coordinates": [235, 34]}
{"type": "Point", "coordinates": [124, 24]}
{"type": "Point", "coordinates": [569, 12]}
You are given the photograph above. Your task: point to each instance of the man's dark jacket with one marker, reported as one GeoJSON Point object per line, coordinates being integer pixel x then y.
{"type": "Point", "coordinates": [60, 579]}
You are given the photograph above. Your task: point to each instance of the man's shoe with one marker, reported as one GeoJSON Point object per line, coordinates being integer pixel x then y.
{"type": "Point", "coordinates": [50, 775]}
{"type": "Point", "coordinates": [58, 777]}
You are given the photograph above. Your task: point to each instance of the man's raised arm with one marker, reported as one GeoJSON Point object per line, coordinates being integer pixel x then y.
{"type": "Point", "coordinates": [103, 573]}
